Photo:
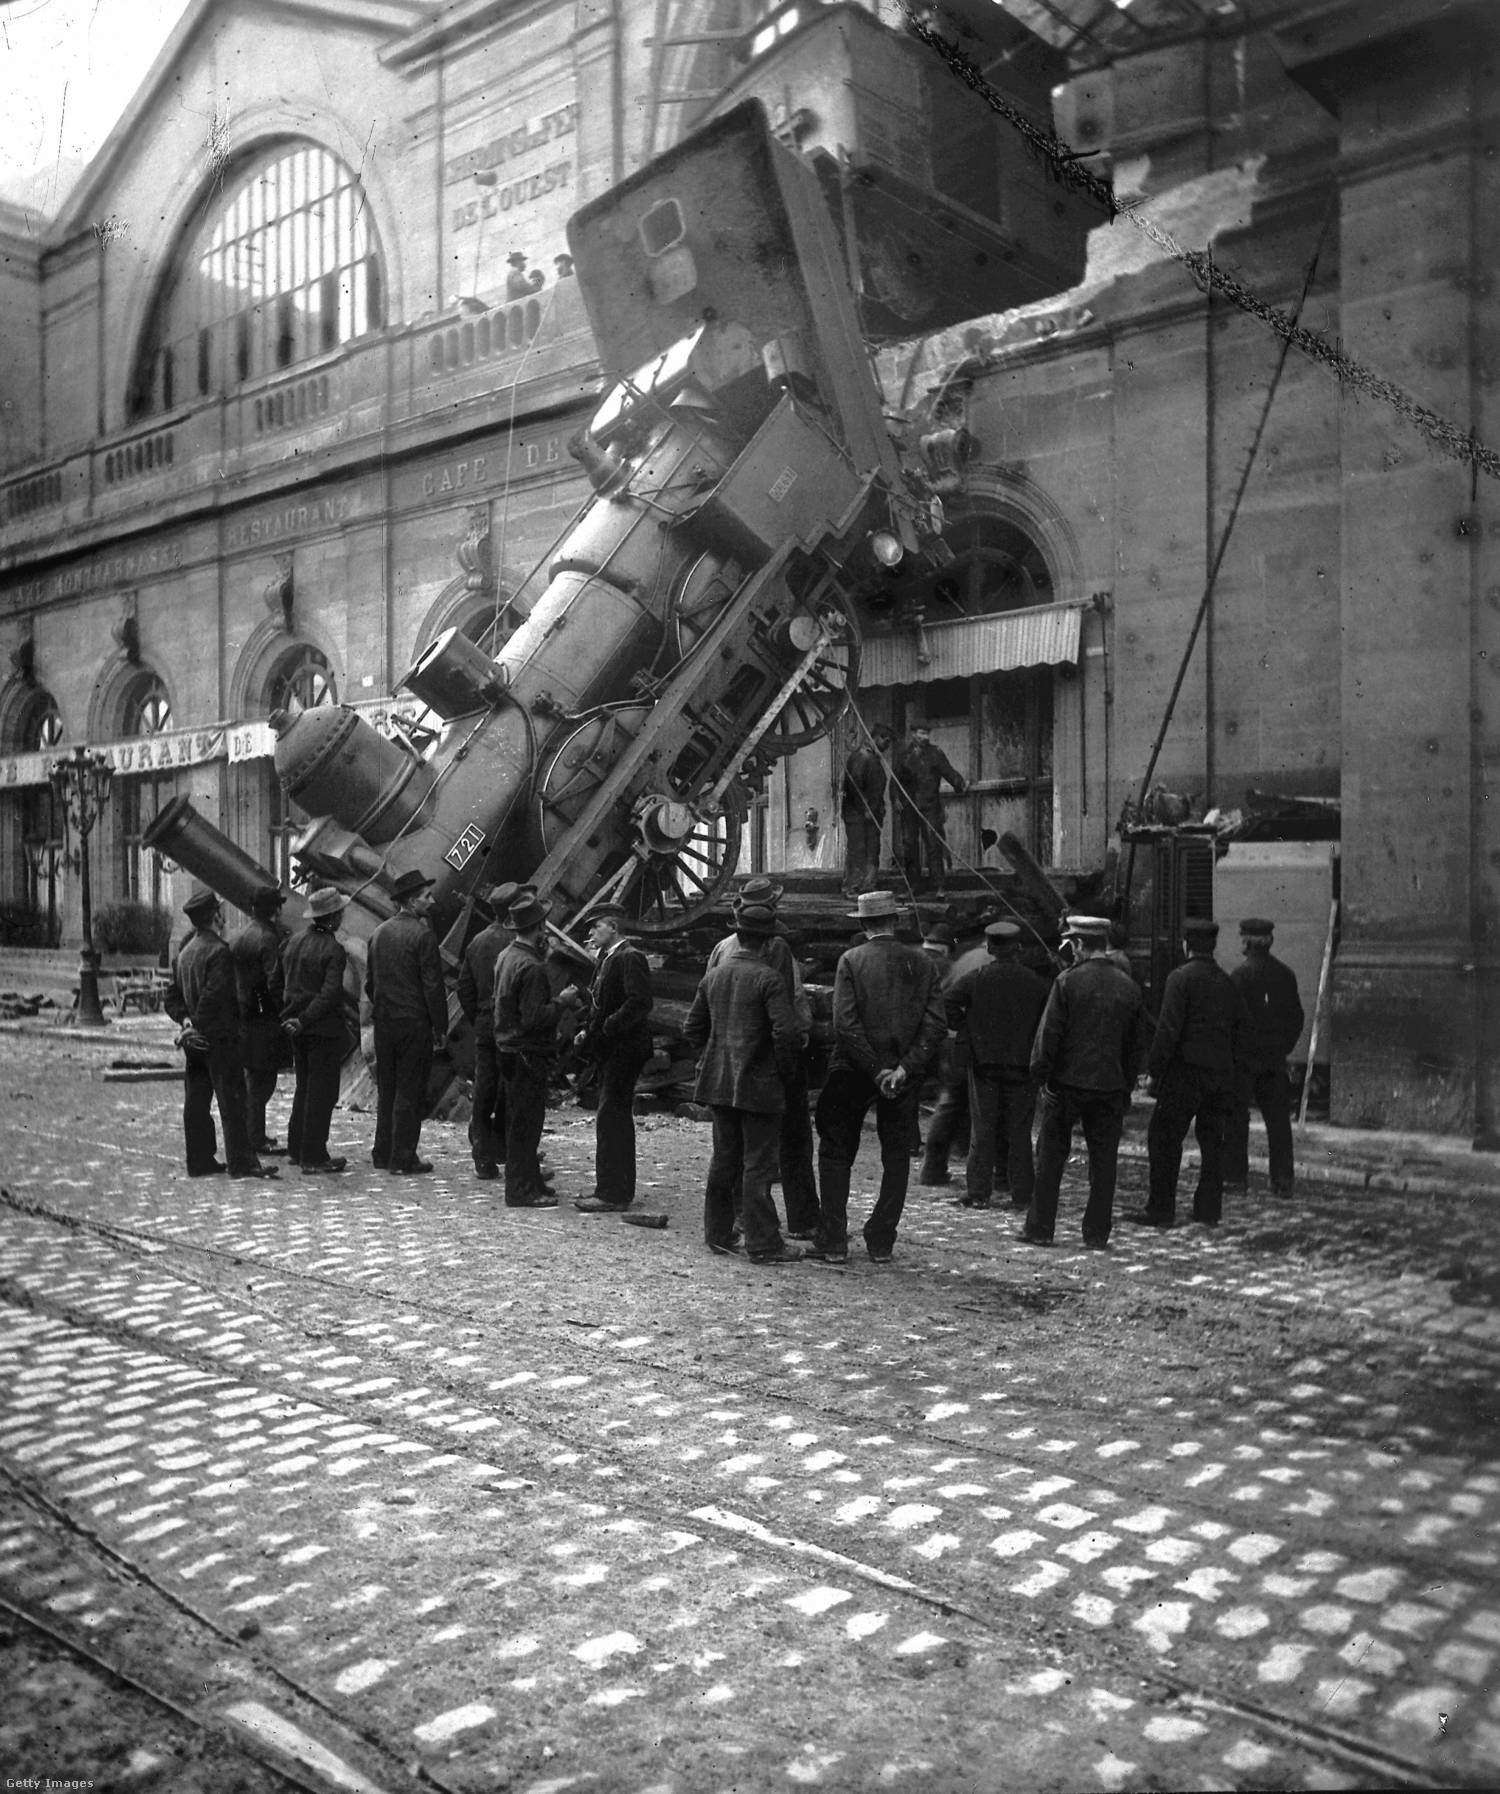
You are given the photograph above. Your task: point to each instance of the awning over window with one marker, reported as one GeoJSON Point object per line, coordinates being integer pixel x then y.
{"type": "Point", "coordinates": [1043, 636]}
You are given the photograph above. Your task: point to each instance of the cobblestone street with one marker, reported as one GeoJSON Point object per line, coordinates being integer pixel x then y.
{"type": "Point", "coordinates": [373, 1483]}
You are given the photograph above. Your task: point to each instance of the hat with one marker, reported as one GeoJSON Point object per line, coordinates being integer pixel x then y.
{"type": "Point", "coordinates": [1200, 928]}
{"type": "Point", "coordinates": [755, 918]}
{"type": "Point", "coordinates": [762, 891]}
{"type": "Point", "coordinates": [608, 912]}
{"type": "Point", "coordinates": [410, 883]}
{"type": "Point", "coordinates": [327, 900]}
{"type": "Point", "coordinates": [875, 906]}
{"type": "Point", "coordinates": [526, 912]}
{"type": "Point", "coordinates": [882, 732]}
{"type": "Point", "coordinates": [268, 897]}
{"type": "Point", "coordinates": [1087, 928]}
{"type": "Point", "coordinates": [940, 935]}
{"type": "Point", "coordinates": [921, 727]}
{"type": "Point", "coordinates": [1257, 927]}
{"type": "Point", "coordinates": [202, 902]}
{"type": "Point", "coordinates": [501, 897]}
{"type": "Point", "coordinates": [1003, 931]}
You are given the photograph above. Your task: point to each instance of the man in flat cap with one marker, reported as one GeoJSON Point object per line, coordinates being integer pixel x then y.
{"type": "Point", "coordinates": [887, 1028]}
{"type": "Point", "coordinates": [1273, 1007]}
{"type": "Point", "coordinates": [862, 808]}
{"type": "Point", "coordinates": [526, 1015]}
{"type": "Point", "coordinates": [256, 950]}
{"type": "Point", "coordinates": [202, 998]}
{"type": "Point", "coordinates": [994, 1010]}
{"type": "Point", "coordinates": [476, 997]}
{"type": "Point", "coordinates": [617, 1037]}
{"type": "Point", "coordinates": [1193, 1065]}
{"type": "Point", "coordinates": [1087, 1056]}
{"type": "Point", "coordinates": [404, 982]}
{"type": "Point", "coordinates": [314, 965]}
{"type": "Point", "coordinates": [742, 1027]}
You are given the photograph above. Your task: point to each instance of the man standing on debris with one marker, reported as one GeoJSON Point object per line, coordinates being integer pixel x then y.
{"type": "Point", "coordinates": [314, 964]}
{"type": "Point", "coordinates": [994, 1010]}
{"type": "Point", "coordinates": [1194, 1058]}
{"type": "Point", "coordinates": [921, 767]}
{"type": "Point", "coordinates": [888, 1025]}
{"type": "Point", "coordinates": [257, 975]}
{"type": "Point", "coordinates": [203, 1000]}
{"type": "Point", "coordinates": [1273, 1007]}
{"type": "Point", "coordinates": [799, 1189]}
{"type": "Point", "coordinates": [617, 1036]}
{"type": "Point", "coordinates": [862, 807]}
{"type": "Point", "coordinates": [476, 997]}
{"type": "Point", "coordinates": [1087, 1055]}
{"type": "Point", "coordinates": [404, 982]}
{"type": "Point", "coordinates": [526, 1016]}
{"type": "Point", "coordinates": [742, 1027]}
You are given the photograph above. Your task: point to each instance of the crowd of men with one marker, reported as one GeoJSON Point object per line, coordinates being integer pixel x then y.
{"type": "Point", "coordinates": [1024, 1055]}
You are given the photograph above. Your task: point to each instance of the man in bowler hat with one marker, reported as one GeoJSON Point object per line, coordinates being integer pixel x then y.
{"type": "Point", "coordinates": [476, 997]}
{"type": "Point", "coordinates": [1273, 1009]}
{"type": "Point", "coordinates": [314, 963]}
{"type": "Point", "coordinates": [617, 1036]}
{"type": "Point", "coordinates": [404, 982]}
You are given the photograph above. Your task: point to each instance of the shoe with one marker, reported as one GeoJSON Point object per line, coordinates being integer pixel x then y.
{"type": "Point", "coordinates": [802, 1233]}
{"type": "Point", "coordinates": [534, 1199]}
{"type": "Point", "coordinates": [212, 1170]}
{"type": "Point", "coordinates": [486, 1173]}
{"type": "Point", "coordinates": [595, 1205]}
{"type": "Point", "coordinates": [328, 1165]}
{"type": "Point", "coordinates": [971, 1202]}
{"type": "Point", "coordinates": [1143, 1217]}
{"type": "Point", "coordinates": [1021, 1204]}
{"type": "Point", "coordinates": [380, 1164]}
{"type": "Point", "coordinates": [1198, 1221]}
{"type": "Point", "coordinates": [783, 1255]}
{"type": "Point", "coordinates": [931, 1179]}
{"type": "Point", "coordinates": [830, 1255]}
{"type": "Point", "coordinates": [1095, 1244]}
{"type": "Point", "coordinates": [726, 1248]}
{"type": "Point", "coordinates": [879, 1257]}
{"type": "Point", "coordinates": [1282, 1190]}
{"type": "Point", "coordinates": [258, 1171]}
{"type": "Point", "coordinates": [1027, 1238]}
{"type": "Point", "coordinates": [271, 1146]}
{"type": "Point", "coordinates": [412, 1168]}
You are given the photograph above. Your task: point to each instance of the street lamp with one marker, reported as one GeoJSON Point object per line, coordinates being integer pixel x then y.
{"type": "Point", "coordinates": [81, 783]}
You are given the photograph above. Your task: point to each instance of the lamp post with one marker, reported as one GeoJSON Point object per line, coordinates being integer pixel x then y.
{"type": "Point", "coordinates": [81, 783]}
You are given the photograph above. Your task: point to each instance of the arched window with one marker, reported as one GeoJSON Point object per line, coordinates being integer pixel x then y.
{"type": "Point", "coordinates": [301, 680]}
{"type": "Point", "coordinates": [286, 266]}
{"type": "Point", "coordinates": [143, 791]}
{"type": "Point", "coordinates": [997, 567]}
{"type": "Point", "coordinates": [43, 842]}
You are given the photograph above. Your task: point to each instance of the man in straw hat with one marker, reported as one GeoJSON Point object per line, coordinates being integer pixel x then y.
{"type": "Point", "coordinates": [742, 1027]}
{"type": "Point", "coordinates": [476, 997]}
{"type": "Point", "coordinates": [312, 1014]}
{"type": "Point", "coordinates": [526, 1016]}
{"type": "Point", "coordinates": [203, 1000]}
{"type": "Point", "coordinates": [1273, 1007]}
{"type": "Point", "coordinates": [404, 982]}
{"type": "Point", "coordinates": [888, 1025]}
{"type": "Point", "coordinates": [1087, 1055]}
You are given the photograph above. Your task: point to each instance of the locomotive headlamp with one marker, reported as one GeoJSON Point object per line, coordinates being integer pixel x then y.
{"type": "Point", "coordinates": [886, 547]}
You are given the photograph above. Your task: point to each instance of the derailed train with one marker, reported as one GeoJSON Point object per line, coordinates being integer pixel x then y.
{"type": "Point", "coordinates": [699, 613]}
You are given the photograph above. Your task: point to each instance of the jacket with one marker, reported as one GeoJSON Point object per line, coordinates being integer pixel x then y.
{"type": "Point", "coordinates": [1094, 1030]}
{"type": "Point", "coordinates": [313, 968]}
{"type": "Point", "coordinates": [887, 1008]}
{"type": "Point", "coordinates": [203, 988]}
{"type": "Point", "coordinates": [476, 978]}
{"type": "Point", "coordinates": [525, 1012]}
{"type": "Point", "coordinates": [742, 1026]}
{"type": "Point", "coordinates": [256, 951]}
{"type": "Point", "coordinates": [920, 771]}
{"type": "Point", "coordinates": [780, 958]}
{"type": "Point", "coordinates": [1273, 1010]}
{"type": "Point", "coordinates": [863, 792]}
{"type": "Point", "coordinates": [404, 975]}
{"type": "Point", "coordinates": [994, 1008]}
{"type": "Point", "coordinates": [620, 1003]}
{"type": "Point", "coordinates": [1202, 1022]}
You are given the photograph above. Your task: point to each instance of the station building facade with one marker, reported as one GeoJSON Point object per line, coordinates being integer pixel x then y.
{"type": "Point", "coordinates": [290, 380]}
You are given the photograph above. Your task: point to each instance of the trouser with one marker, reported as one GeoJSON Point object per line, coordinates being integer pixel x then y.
{"type": "Point", "coordinates": [527, 1079]}
{"type": "Point", "coordinates": [1186, 1096]}
{"type": "Point", "coordinates": [261, 1042]}
{"type": "Point", "coordinates": [614, 1123]}
{"type": "Point", "coordinates": [215, 1074]}
{"type": "Point", "coordinates": [1001, 1107]}
{"type": "Point", "coordinates": [487, 1113]}
{"type": "Point", "coordinates": [318, 1059]}
{"type": "Point", "coordinates": [842, 1106]}
{"type": "Point", "coordinates": [861, 851]}
{"type": "Point", "coordinates": [924, 846]}
{"type": "Point", "coordinates": [799, 1187]}
{"type": "Point", "coordinates": [1271, 1092]}
{"type": "Point", "coordinates": [949, 1130]}
{"type": "Point", "coordinates": [1101, 1113]}
{"type": "Point", "coordinates": [403, 1062]}
{"type": "Point", "coordinates": [739, 1179]}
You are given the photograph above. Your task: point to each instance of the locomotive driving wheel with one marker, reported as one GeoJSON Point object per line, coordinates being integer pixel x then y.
{"type": "Point", "coordinates": [661, 856]}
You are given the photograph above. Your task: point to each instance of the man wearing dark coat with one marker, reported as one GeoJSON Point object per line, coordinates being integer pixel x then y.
{"type": "Point", "coordinates": [1273, 1008]}
{"type": "Point", "coordinates": [1193, 1067]}
{"type": "Point", "coordinates": [526, 1015]}
{"type": "Point", "coordinates": [617, 1037]}
{"type": "Point", "coordinates": [476, 997]}
{"type": "Point", "coordinates": [742, 1027]}
{"type": "Point", "coordinates": [202, 998]}
{"type": "Point", "coordinates": [862, 807]}
{"type": "Point", "coordinates": [888, 1025]}
{"type": "Point", "coordinates": [257, 976]}
{"type": "Point", "coordinates": [314, 965]}
{"type": "Point", "coordinates": [921, 767]}
{"type": "Point", "coordinates": [1088, 1053]}
{"type": "Point", "coordinates": [404, 982]}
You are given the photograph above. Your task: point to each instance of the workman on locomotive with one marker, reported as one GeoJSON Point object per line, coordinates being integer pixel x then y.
{"type": "Point", "coordinates": [921, 768]}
